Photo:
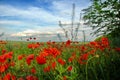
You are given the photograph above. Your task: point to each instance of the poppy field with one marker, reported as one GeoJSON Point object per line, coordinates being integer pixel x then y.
{"type": "Point", "coordinates": [95, 60]}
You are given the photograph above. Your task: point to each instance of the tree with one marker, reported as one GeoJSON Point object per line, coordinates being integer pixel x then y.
{"type": "Point", "coordinates": [104, 17]}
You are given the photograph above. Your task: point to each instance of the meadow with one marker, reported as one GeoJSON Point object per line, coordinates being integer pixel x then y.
{"type": "Point", "coordinates": [95, 60]}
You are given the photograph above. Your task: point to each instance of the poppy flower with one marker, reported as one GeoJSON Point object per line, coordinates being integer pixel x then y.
{"type": "Point", "coordinates": [12, 63]}
{"type": "Point", "coordinates": [43, 54]}
{"type": "Point", "coordinates": [33, 70]}
{"type": "Point", "coordinates": [53, 42]}
{"type": "Point", "coordinates": [30, 77]}
{"type": "Point", "coordinates": [69, 68]}
{"type": "Point", "coordinates": [13, 77]}
{"type": "Point", "coordinates": [33, 46]}
{"type": "Point", "coordinates": [72, 57]}
{"type": "Point", "coordinates": [2, 58]}
{"type": "Point", "coordinates": [83, 48]}
{"type": "Point", "coordinates": [9, 55]}
{"type": "Point", "coordinates": [94, 44]}
{"type": "Point", "coordinates": [49, 42]}
{"type": "Point", "coordinates": [61, 61]}
{"type": "Point", "coordinates": [53, 65]}
{"type": "Point", "coordinates": [2, 68]}
{"type": "Point", "coordinates": [30, 38]}
{"type": "Point", "coordinates": [29, 58]}
{"type": "Point", "coordinates": [68, 42]}
{"type": "Point", "coordinates": [34, 38]}
{"type": "Point", "coordinates": [47, 69]}
{"type": "Point", "coordinates": [4, 51]}
{"type": "Point", "coordinates": [117, 49]}
{"type": "Point", "coordinates": [52, 51]}
{"type": "Point", "coordinates": [20, 57]}
{"type": "Point", "coordinates": [40, 60]}
{"type": "Point", "coordinates": [7, 76]}
{"type": "Point", "coordinates": [64, 78]}
{"type": "Point", "coordinates": [83, 58]}
{"type": "Point", "coordinates": [104, 42]}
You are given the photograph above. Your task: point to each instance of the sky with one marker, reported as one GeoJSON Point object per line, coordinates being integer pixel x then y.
{"type": "Point", "coordinates": [37, 17]}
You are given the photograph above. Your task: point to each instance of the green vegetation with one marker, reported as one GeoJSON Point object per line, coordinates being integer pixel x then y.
{"type": "Point", "coordinates": [59, 61]}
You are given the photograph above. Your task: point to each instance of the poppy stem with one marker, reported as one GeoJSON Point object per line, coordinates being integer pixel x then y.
{"type": "Point", "coordinates": [87, 65]}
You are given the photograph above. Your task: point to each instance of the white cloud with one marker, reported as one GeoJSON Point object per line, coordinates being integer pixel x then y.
{"type": "Point", "coordinates": [10, 22]}
{"type": "Point", "coordinates": [34, 32]}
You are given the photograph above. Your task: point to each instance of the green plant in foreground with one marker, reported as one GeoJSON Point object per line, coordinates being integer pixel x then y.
{"type": "Point", "coordinates": [96, 56]}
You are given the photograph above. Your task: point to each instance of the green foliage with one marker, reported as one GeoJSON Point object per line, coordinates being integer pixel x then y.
{"type": "Point", "coordinates": [114, 40]}
{"type": "Point", "coordinates": [104, 17]}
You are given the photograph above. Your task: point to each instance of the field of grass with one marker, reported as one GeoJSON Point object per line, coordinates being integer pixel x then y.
{"type": "Point", "coordinates": [95, 60]}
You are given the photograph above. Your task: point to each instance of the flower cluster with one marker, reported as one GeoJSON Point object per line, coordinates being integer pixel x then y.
{"type": "Point", "coordinates": [56, 60]}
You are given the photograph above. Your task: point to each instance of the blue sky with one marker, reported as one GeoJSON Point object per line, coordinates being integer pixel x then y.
{"type": "Point", "coordinates": [18, 17]}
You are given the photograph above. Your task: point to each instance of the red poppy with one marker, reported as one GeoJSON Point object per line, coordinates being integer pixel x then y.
{"type": "Point", "coordinates": [4, 51]}
{"type": "Point", "coordinates": [40, 60]}
{"type": "Point", "coordinates": [49, 42]}
{"type": "Point", "coordinates": [7, 76]}
{"type": "Point", "coordinates": [9, 55]}
{"type": "Point", "coordinates": [92, 52]}
{"type": "Point", "coordinates": [13, 77]}
{"type": "Point", "coordinates": [83, 48]}
{"type": "Point", "coordinates": [12, 63]}
{"type": "Point", "coordinates": [64, 78]}
{"type": "Point", "coordinates": [72, 57]}
{"type": "Point", "coordinates": [33, 46]}
{"type": "Point", "coordinates": [52, 51]}
{"type": "Point", "coordinates": [29, 58]}
{"type": "Point", "coordinates": [94, 44]}
{"type": "Point", "coordinates": [30, 38]}
{"type": "Point", "coordinates": [20, 57]}
{"type": "Point", "coordinates": [34, 38]}
{"type": "Point", "coordinates": [53, 65]}
{"type": "Point", "coordinates": [69, 68]}
{"type": "Point", "coordinates": [2, 68]}
{"type": "Point", "coordinates": [53, 42]}
{"type": "Point", "coordinates": [44, 54]}
{"type": "Point", "coordinates": [61, 61]}
{"type": "Point", "coordinates": [83, 58]}
{"type": "Point", "coordinates": [31, 77]}
{"type": "Point", "coordinates": [33, 70]}
{"type": "Point", "coordinates": [105, 41]}
{"type": "Point", "coordinates": [2, 58]}
{"type": "Point", "coordinates": [47, 69]}
{"type": "Point", "coordinates": [68, 42]}
{"type": "Point", "coordinates": [30, 45]}
{"type": "Point", "coordinates": [117, 49]}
